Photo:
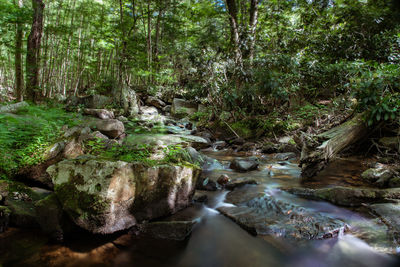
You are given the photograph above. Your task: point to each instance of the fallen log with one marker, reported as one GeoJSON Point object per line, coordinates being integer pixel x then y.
{"type": "Point", "coordinates": [10, 108]}
{"type": "Point", "coordinates": [318, 150]}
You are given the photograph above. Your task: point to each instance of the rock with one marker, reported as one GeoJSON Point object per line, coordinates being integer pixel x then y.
{"type": "Point", "coordinates": [248, 146]}
{"type": "Point", "coordinates": [244, 165]}
{"type": "Point", "coordinates": [171, 230]}
{"type": "Point", "coordinates": [22, 213]}
{"type": "Point", "coordinates": [129, 102]}
{"type": "Point", "coordinates": [97, 101]}
{"type": "Point", "coordinates": [73, 149]}
{"type": "Point", "coordinates": [285, 156]}
{"type": "Point", "coordinates": [200, 196]}
{"type": "Point", "coordinates": [53, 151]}
{"type": "Point", "coordinates": [153, 101]}
{"type": "Point", "coordinates": [389, 213]}
{"type": "Point", "coordinates": [183, 108]}
{"type": "Point", "coordinates": [390, 142]}
{"type": "Point", "coordinates": [99, 113]}
{"type": "Point", "coordinates": [107, 196]}
{"type": "Point", "coordinates": [267, 214]}
{"type": "Point", "coordinates": [4, 218]}
{"type": "Point", "coordinates": [238, 183]}
{"type": "Point", "coordinates": [98, 135]}
{"type": "Point", "coordinates": [148, 110]}
{"type": "Point", "coordinates": [286, 140]}
{"type": "Point", "coordinates": [111, 128]}
{"type": "Point", "coordinates": [122, 119]}
{"type": "Point", "coordinates": [219, 145]}
{"type": "Point", "coordinates": [49, 215]}
{"type": "Point", "coordinates": [167, 109]}
{"type": "Point", "coordinates": [380, 174]}
{"type": "Point", "coordinates": [206, 185]}
{"type": "Point", "coordinates": [269, 148]}
{"type": "Point", "coordinates": [223, 179]}
{"type": "Point", "coordinates": [346, 196]}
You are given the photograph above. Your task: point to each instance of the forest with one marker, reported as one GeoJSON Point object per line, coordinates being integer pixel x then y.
{"type": "Point", "coordinates": [200, 133]}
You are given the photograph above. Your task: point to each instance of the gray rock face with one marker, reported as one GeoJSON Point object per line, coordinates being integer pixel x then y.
{"type": "Point", "coordinates": [244, 165]}
{"type": "Point", "coordinates": [183, 108]}
{"type": "Point", "coordinates": [171, 230]}
{"type": "Point", "coordinates": [262, 214]}
{"type": "Point", "coordinates": [111, 128]}
{"type": "Point", "coordinates": [374, 174]}
{"type": "Point", "coordinates": [100, 113]}
{"type": "Point", "coordinates": [108, 196]}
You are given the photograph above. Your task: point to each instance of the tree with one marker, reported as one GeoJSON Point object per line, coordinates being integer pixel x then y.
{"type": "Point", "coordinates": [33, 92]}
{"type": "Point", "coordinates": [19, 75]}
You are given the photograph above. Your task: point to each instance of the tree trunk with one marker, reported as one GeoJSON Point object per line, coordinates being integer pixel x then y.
{"type": "Point", "coordinates": [235, 39]}
{"type": "Point", "coordinates": [19, 75]}
{"type": "Point", "coordinates": [33, 52]}
{"type": "Point", "coordinates": [13, 107]}
{"type": "Point", "coordinates": [252, 28]}
{"type": "Point", "coordinates": [318, 150]}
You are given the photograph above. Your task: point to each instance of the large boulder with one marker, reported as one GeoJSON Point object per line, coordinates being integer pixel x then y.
{"type": "Point", "coordinates": [129, 101]}
{"type": "Point", "coordinates": [183, 108]}
{"type": "Point", "coordinates": [111, 128]}
{"type": "Point", "coordinates": [107, 196]}
{"type": "Point", "coordinates": [389, 213]}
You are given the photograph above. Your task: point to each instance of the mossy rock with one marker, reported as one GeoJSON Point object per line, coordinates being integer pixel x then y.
{"type": "Point", "coordinates": [104, 196]}
{"type": "Point", "coordinates": [5, 213]}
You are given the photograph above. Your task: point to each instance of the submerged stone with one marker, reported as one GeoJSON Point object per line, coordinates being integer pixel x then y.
{"type": "Point", "coordinates": [244, 165]}
{"type": "Point", "coordinates": [171, 230]}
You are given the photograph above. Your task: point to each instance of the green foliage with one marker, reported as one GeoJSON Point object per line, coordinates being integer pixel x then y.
{"type": "Point", "coordinates": [26, 135]}
{"type": "Point", "coordinates": [378, 91]}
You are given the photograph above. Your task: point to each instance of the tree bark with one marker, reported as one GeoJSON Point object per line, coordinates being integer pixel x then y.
{"type": "Point", "coordinates": [320, 149]}
{"type": "Point", "coordinates": [13, 107]}
{"type": "Point", "coordinates": [19, 74]}
{"type": "Point", "coordinates": [33, 51]}
{"type": "Point", "coordinates": [252, 28]}
{"type": "Point", "coordinates": [235, 38]}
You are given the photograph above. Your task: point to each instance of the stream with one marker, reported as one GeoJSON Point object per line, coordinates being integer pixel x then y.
{"type": "Point", "coordinates": [217, 240]}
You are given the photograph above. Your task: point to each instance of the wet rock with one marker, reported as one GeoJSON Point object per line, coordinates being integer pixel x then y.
{"type": "Point", "coordinates": [247, 147]}
{"type": "Point", "coordinates": [53, 151]}
{"type": "Point", "coordinates": [285, 156]}
{"type": "Point", "coordinates": [171, 230]}
{"type": "Point", "coordinates": [238, 183]}
{"type": "Point", "coordinates": [286, 140]}
{"type": "Point", "coordinates": [107, 196]}
{"type": "Point", "coordinates": [238, 141]}
{"type": "Point", "coordinates": [154, 101]}
{"type": "Point", "coordinates": [346, 196]}
{"type": "Point", "coordinates": [103, 114]}
{"type": "Point", "coordinates": [219, 145]}
{"type": "Point", "coordinates": [389, 213]}
{"type": "Point", "coordinates": [244, 165]}
{"type": "Point", "coordinates": [49, 215]}
{"type": "Point", "coordinates": [223, 179]}
{"type": "Point", "coordinates": [4, 218]}
{"type": "Point", "coordinates": [267, 214]}
{"type": "Point", "coordinates": [111, 128]}
{"type": "Point", "coordinates": [200, 196]}
{"type": "Point", "coordinates": [22, 213]}
{"type": "Point", "coordinates": [206, 184]}
{"type": "Point", "coordinates": [379, 175]}
{"type": "Point", "coordinates": [145, 110]}
{"type": "Point", "coordinates": [182, 108]}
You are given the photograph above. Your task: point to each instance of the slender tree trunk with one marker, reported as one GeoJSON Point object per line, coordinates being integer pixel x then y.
{"type": "Point", "coordinates": [235, 38]}
{"type": "Point", "coordinates": [149, 50]}
{"type": "Point", "coordinates": [33, 52]}
{"type": "Point", "coordinates": [19, 74]}
{"type": "Point", "coordinates": [252, 28]}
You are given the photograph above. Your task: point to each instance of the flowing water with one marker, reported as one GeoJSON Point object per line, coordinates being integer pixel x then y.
{"type": "Point", "coordinates": [218, 241]}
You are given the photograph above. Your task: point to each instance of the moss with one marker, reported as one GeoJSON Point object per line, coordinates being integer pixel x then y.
{"type": "Point", "coordinates": [80, 204]}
